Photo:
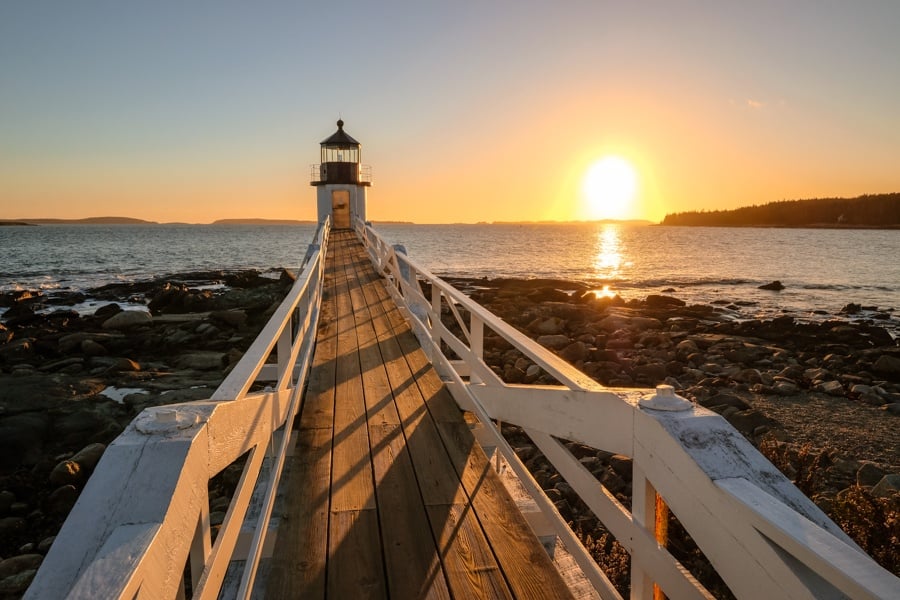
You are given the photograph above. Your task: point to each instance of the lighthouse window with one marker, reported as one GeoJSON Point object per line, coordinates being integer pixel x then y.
{"type": "Point", "coordinates": [340, 155]}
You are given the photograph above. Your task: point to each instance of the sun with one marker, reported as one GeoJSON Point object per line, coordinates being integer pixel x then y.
{"type": "Point", "coordinates": [609, 187]}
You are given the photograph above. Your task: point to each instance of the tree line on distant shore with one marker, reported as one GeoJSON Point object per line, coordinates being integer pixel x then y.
{"type": "Point", "coordinates": [875, 210]}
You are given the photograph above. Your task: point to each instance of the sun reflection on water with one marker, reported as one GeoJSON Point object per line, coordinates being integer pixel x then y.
{"type": "Point", "coordinates": [608, 259]}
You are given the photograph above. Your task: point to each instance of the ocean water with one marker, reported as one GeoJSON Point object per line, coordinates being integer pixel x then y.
{"type": "Point", "coordinates": [822, 269]}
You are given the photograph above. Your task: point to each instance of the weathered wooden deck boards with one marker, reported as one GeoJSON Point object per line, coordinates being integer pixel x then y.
{"type": "Point", "coordinates": [389, 495]}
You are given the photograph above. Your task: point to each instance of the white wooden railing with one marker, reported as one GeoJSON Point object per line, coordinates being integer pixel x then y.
{"type": "Point", "coordinates": [761, 534]}
{"type": "Point", "coordinates": [142, 521]}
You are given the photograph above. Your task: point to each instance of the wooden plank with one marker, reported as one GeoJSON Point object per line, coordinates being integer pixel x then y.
{"type": "Point", "coordinates": [412, 562]}
{"type": "Point", "coordinates": [355, 559]}
{"type": "Point", "coordinates": [377, 388]}
{"type": "Point", "coordinates": [355, 568]}
{"type": "Point", "coordinates": [471, 568]}
{"type": "Point", "coordinates": [440, 403]}
{"type": "Point", "coordinates": [526, 564]}
{"type": "Point", "coordinates": [318, 402]}
{"type": "Point", "coordinates": [437, 478]}
{"type": "Point", "coordinates": [352, 487]}
{"type": "Point", "coordinates": [299, 558]}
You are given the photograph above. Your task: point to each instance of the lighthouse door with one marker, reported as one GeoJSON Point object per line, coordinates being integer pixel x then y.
{"type": "Point", "coordinates": [340, 209]}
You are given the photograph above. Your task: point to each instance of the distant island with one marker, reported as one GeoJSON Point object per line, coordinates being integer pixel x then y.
{"type": "Point", "coordinates": [87, 221]}
{"type": "Point", "coordinates": [132, 221]}
{"type": "Point", "coordinates": [593, 222]}
{"type": "Point", "coordinates": [261, 222]}
{"type": "Point", "coordinates": [875, 211]}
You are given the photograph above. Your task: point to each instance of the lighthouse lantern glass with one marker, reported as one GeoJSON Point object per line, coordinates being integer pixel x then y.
{"type": "Point", "coordinates": [340, 154]}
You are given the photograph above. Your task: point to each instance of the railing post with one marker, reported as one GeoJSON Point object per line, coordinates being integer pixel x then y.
{"type": "Point", "coordinates": [201, 545]}
{"type": "Point", "coordinates": [643, 511]}
{"type": "Point", "coordinates": [283, 350]}
{"type": "Point", "coordinates": [476, 340]}
{"type": "Point", "coordinates": [435, 315]}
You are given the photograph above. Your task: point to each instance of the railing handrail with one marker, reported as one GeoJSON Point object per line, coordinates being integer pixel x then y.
{"type": "Point", "coordinates": [762, 535]}
{"type": "Point", "coordinates": [317, 173]}
{"type": "Point", "coordinates": [144, 512]}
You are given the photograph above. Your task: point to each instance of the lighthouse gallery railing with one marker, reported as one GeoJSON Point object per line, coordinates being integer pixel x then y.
{"type": "Point", "coordinates": [761, 534]}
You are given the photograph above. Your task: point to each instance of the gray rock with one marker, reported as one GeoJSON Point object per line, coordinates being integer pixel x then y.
{"type": "Point", "coordinates": [89, 456]}
{"type": "Point", "coordinates": [613, 323]}
{"type": "Point", "coordinates": [66, 472]}
{"type": "Point", "coordinates": [18, 583]}
{"type": "Point", "coordinates": [644, 323]}
{"type": "Point", "coordinates": [832, 388]}
{"type": "Point", "coordinates": [888, 366]}
{"type": "Point", "coordinates": [749, 376]}
{"type": "Point", "coordinates": [550, 326]}
{"type": "Point", "coordinates": [652, 373]}
{"type": "Point", "coordinates": [554, 342]}
{"type": "Point", "coordinates": [686, 348]}
{"type": "Point", "coordinates": [575, 352]}
{"type": "Point", "coordinates": [622, 465]}
{"type": "Point", "coordinates": [202, 360]}
{"type": "Point", "coordinates": [746, 421]}
{"type": "Point", "coordinates": [726, 399]}
{"type": "Point", "coordinates": [887, 487]}
{"type": "Point", "coordinates": [869, 474]}
{"type": "Point", "coordinates": [10, 526]}
{"type": "Point", "coordinates": [786, 388]}
{"type": "Point", "coordinates": [234, 318]}
{"type": "Point", "coordinates": [122, 365]}
{"type": "Point", "coordinates": [128, 319]}
{"type": "Point", "coordinates": [44, 545]}
{"type": "Point", "coordinates": [92, 348]}
{"type": "Point", "coordinates": [62, 499]}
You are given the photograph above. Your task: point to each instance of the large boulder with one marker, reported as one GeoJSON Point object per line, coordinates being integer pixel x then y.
{"type": "Point", "coordinates": [554, 342]}
{"type": "Point", "coordinates": [888, 366]}
{"type": "Point", "coordinates": [887, 487]}
{"type": "Point", "coordinates": [128, 319]}
{"type": "Point", "coordinates": [660, 301]}
{"type": "Point", "coordinates": [202, 360]}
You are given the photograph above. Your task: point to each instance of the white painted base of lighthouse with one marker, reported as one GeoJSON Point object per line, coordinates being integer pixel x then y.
{"type": "Point", "coordinates": [344, 203]}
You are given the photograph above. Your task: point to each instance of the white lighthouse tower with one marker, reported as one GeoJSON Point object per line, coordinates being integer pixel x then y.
{"type": "Point", "coordinates": [341, 181]}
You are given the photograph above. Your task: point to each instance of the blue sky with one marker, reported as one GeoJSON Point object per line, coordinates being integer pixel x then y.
{"type": "Point", "coordinates": [467, 110]}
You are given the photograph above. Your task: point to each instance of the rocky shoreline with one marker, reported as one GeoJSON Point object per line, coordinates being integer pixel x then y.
{"type": "Point", "coordinates": [821, 400]}
{"type": "Point", "coordinates": [71, 382]}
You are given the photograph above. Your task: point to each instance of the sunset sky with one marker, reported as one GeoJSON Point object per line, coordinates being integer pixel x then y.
{"type": "Point", "coordinates": [467, 111]}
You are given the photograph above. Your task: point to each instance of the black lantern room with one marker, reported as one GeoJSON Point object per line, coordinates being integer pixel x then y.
{"type": "Point", "coordinates": [340, 160]}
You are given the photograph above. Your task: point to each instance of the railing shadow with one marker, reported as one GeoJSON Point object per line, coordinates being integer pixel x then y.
{"type": "Point", "coordinates": [414, 532]}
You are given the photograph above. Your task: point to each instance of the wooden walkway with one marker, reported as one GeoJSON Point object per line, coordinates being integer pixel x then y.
{"type": "Point", "coordinates": [388, 494]}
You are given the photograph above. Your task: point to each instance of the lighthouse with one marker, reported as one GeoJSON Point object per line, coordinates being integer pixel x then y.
{"type": "Point", "coordinates": [341, 181]}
